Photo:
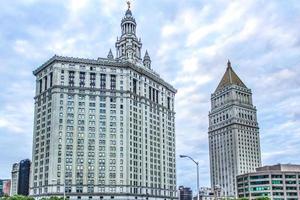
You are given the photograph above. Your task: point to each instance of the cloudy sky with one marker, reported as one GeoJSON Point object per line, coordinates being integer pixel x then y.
{"type": "Point", "coordinates": [189, 43]}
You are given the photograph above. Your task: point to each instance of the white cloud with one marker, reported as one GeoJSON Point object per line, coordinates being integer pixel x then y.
{"type": "Point", "coordinates": [109, 7]}
{"type": "Point", "coordinates": [16, 113]}
{"type": "Point", "coordinates": [24, 48]}
{"type": "Point", "coordinates": [77, 6]}
{"type": "Point", "coordinates": [228, 19]}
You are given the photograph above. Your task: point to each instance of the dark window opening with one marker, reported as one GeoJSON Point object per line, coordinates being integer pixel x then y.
{"type": "Point", "coordinates": [41, 85]}
{"type": "Point", "coordinates": [113, 82]}
{"type": "Point", "coordinates": [46, 82]}
{"type": "Point", "coordinates": [150, 91]}
{"type": "Point", "coordinates": [134, 86]}
{"type": "Point", "coordinates": [102, 81]}
{"type": "Point", "coordinates": [51, 79]}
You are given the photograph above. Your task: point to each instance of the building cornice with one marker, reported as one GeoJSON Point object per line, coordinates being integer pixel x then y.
{"type": "Point", "coordinates": [106, 62]}
{"type": "Point", "coordinates": [232, 103]}
{"type": "Point", "coordinates": [231, 125]}
{"type": "Point", "coordinates": [268, 172]}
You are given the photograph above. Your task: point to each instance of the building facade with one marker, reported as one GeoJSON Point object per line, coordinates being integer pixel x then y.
{"type": "Point", "coordinates": [234, 144]}
{"type": "Point", "coordinates": [20, 176]}
{"type": "Point", "coordinates": [5, 185]}
{"type": "Point", "coordinates": [104, 128]}
{"type": "Point", "coordinates": [278, 182]}
{"type": "Point", "coordinates": [185, 193]}
{"type": "Point", "coordinates": [14, 179]}
{"type": "Point", "coordinates": [206, 193]}
{"type": "Point", "coordinates": [24, 175]}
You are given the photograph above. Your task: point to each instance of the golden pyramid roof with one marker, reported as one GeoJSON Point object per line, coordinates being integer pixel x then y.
{"type": "Point", "coordinates": [230, 78]}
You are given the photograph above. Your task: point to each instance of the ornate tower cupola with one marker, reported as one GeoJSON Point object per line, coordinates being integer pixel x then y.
{"type": "Point", "coordinates": [128, 46]}
{"type": "Point", "coordinates": [128, 23]}
{"type": "Point", "coordinates": [147, 60]}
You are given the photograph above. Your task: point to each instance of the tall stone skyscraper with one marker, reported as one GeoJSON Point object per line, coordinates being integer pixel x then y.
{"type": "Point", "coordinates": [234, 144]}
{"type": "Point", "coordinates": [104, 128]}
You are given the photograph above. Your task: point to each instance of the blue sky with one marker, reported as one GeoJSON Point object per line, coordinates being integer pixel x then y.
{"type": "Point", "coordinates": [189, 43]}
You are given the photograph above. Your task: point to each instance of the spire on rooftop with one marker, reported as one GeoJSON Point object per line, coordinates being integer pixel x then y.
{"type": "Point", "coordinates": [147, 57]}
{"type": "Point", "coordinates": [110, 55]}
{"type": "Point", "coordinates": [128, 13]}
{"type": "Point", "coordinates": [228, 63]}
{"type": "Point", "coordinates": [128, 4]}
{"type": "Point", "coordinates": [147, 60]}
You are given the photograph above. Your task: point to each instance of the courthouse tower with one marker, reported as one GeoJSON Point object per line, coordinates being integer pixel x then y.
{"type": "Point", "coordinates": [104, 128]}
{"type": "Point", "coordinates": [234, 144]}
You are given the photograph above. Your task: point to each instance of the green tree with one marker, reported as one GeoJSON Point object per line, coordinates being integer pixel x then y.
{"type": "Point", "coordinates": [20, 197]}
{"type": "Point", "coordinates": [263, 198]}
{"type": "Point", "coordinates": [17, 197]}
{"type": "Point", "coordinates": [53, 198]}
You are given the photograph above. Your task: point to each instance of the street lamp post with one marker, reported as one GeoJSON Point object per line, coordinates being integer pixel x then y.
{"type": "Point", "coordinates": [197, 164]}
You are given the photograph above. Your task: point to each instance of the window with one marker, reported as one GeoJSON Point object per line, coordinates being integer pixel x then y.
{"type": "Point", "coordinates": [150, 94]}
{"type": "Point", "coordinates": [46, 79]}
{"type": "Point", "coordinates": [290, 176]}
{"type": "Point", "coordinates": [92, 80]}
{"type": "Point", "coordinates": [41, 85]}
{"type": "Point", "coordinates": [113, 82]}
{"type": "Point", "coordinates": [276, 182]}
{"type": "Point", "coordinates": [81, 79]}
{"type": "Point", "coordinates": [290, 182]}
{"type": "Point", "coordinates": [134, 86]}
{"type": "Point", "coordinates": [102, 81]}
{"type": "Point", "coordinates": [51, 79]}
{"type": "Point", "coordinates": [71, 78]}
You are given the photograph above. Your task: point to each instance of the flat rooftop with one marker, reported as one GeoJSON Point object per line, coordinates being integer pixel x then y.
{"type": "Point", "coordinates": [280, 167]}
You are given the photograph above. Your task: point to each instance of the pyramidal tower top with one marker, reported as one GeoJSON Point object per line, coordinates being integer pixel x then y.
{"type": "Point", "coordinates": [230, 78]}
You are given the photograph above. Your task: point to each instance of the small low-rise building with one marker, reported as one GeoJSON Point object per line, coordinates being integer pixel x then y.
{"type": "Point", "coordinates": [4, 187]}
{"type": "Point", "coordinates": [185, 193]}
{"type": "Point", "coordinates": [206, 193]}
{"type": "Point", "coordinates": [278, 182]}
